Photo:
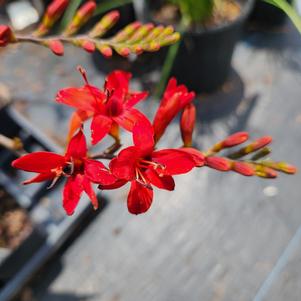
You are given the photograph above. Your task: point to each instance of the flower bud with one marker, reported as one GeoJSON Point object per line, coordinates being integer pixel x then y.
{"type": "Point", "coordinates": [127, 32]}
{"type": "Point", "coordinates": [235, 139]}
{"type": "Point", "coordinates": [243, 168]}
{"type": "Point", "coordinates": [6, 35]}
{"type": "Point", "coordinates": [105, 50]}
{"type": "Point", "coordinates": [107, 22]}
{"type": "Point", "coordinates": [88, 46]}
{"type": "Point", "coordinates": [218, 163]}
{"type": "Point", "coordinates": [281, 166]}
{"type": "Point", "coordinates": [84, 13]}
{"type": "Point", "coordinates": [265, 172]}
{"type": "Point", "coordinates": [56, 46]}
{"type": "Point", "coordinates": [252, 147]}
{"type": "Point", "coordinates": [187, 124]}
{"type": "Point", "coordinates": [53, 13]}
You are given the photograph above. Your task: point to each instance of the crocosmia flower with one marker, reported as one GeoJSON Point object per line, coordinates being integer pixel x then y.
{"type": "Point", "coordinates": [109, 108]}
{"type": "Point", "coordinates": [79, 170]}
{"type": "Point", "coordinates": [143, 167]}
{"type": "Point", "coordinates": [175, 99]}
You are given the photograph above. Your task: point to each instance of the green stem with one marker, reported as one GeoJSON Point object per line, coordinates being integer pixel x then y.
{"type": "Point", "coordinates": [168, 64]}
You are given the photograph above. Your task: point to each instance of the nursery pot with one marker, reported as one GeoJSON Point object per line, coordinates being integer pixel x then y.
{"type": "Point", "coordinates": [267, 15]}
{"type": "Point", "coordinates": [204, 57]}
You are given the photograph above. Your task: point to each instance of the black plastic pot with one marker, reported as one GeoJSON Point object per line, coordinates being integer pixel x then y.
{"type": "Point", "coordinates": [204, 58]}
{"type": "Point", "coordinates": [267, 15]}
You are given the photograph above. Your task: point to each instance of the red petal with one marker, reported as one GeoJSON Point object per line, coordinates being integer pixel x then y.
{"type": "Point", "coordinates": [72, 193]}
{"type": "Point", "coordinates": [100, 127]}
{"type": "Point", "coordinates": [87, 98]}
{"type": "Point", "coordinates": [90, 192]}
{"type": "Point", "coordinates": [162, 182]}
{"type": "Point", "coordinates": [118, 80]}
{"type": "Point", "coordinates": [175, 161]}
{"type": "Point", "coordinates": [76, 120]}
{"type": "Point", "coordinates": [96, 172]}
{"type": "Point", "coordinates": [41, 162]}
{"type": "Point", "coordinates": [196, 155]}
{"type": "Point", "coordinates": [134, 98]}
{"type": "Point", "coordinates": [40, 178]}
{"type": "Point", "coordinates": [143, 136]}
{"type": "Point", "coordinates": [77, 147]}
{"type": "Point", "coordinates": [129, 118]}
{"type": "Point", "coordinates": [117, 184]}
{"type": "Point", "coordinates": [123, 167]}
{"type": "Point", "coordinates": [139, 199]}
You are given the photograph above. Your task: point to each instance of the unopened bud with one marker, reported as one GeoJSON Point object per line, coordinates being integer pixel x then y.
{"type": "Point", "coordinates": [105, 50]}
{"type": "Point", "coordinates": [84, 13]}
{"type": "Point", "coordinates": [218, 163]}
{"type": "Point", "coordinates": [252, 147]}
{"type": "Point", "coordinates": [56, 46]}
{"type": "Point", "coordinates": [230, 141]}
{"type": "Point", "coordinates": [265, 172]}
{"type": "Point", "coordinates": [127, 32]}
{"type": "Point", "coordinates": [169, 40]}
{"type": "Point", "coordinates": [6, 35]}
{"type": "Point", "coordinates": [53, 13]}
{"type": "Point", "coordinates": [141, 33]}
{"type": "Point", "coordinates": [106, 22]}
{"type": "Point", "coordinates": [243, 168]}
{"type": "Point", "coordinates": [280, 166]}
{"type": "Point", "coordinates": [89, 46]}
{"type": "Point", "coordinates": [123, 51]}
{"type": "Point", "coordinates": [187, 124]}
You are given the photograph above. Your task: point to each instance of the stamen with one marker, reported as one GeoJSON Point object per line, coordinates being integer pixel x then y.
{"type": "Point", "coordinates": [83, 72]}
{"type": "Point", "coordinates": [54, 181]}
{"type": "Point", "coordinates": [154, 164]}
{"type": "Point", "coordinates": [141, 179]}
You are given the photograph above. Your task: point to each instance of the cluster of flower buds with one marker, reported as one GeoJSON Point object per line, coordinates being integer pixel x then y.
{"type": "Point", "coordinates": [135, 38]}
{"type": "Point", "coordinates": [248, 167]}
{"type": "Point", "coordinates": [141, 164]}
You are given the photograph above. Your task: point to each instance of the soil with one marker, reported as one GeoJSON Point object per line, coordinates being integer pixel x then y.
{"type": "Point", "coordinates": [225, 12]}
{"type": "Point", "coordinates": [15, 225]}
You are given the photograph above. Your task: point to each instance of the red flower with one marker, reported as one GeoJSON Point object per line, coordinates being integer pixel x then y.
{"type": "Point", "coordinates": [143, 167]}
{"type": "Point", "coordinates": [75, 165]}
{"type": "Point", "coordinates": [175, 98]}
{"type": "Point", "coordinates": [112, 106]}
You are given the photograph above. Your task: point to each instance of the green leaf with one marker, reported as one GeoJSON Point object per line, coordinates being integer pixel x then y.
{"type": "Point", "coordinates": [69, 13]}
{"type": "Point", "coordinates": [109, 5]}
{"type": "Point", "coordinates": [289, 10]}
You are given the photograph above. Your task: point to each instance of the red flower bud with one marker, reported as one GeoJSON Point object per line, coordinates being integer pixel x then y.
{"type": "Point", "coordinates": [187, 124]}
{"type": "Point", "coordinates": [266, 172]}
{"type": "Point", "coordinates": [56, 8]}
{"type": "Point", "coordinates": [235, 139]}
{"type": "Point", "coordinates": [6, 35]}
{"type": "Point", "coordinates": [105, 50]}
{"type": "Point", "coordinates": [243, 168]}
{"type": "Point", "coordinates": [82, 16]}
{"type": "Point", "coordinates": [261, 142]}
{"type": "Point", "coordinates": [56, 46]}
{"type": "Point", "coordinates": [218, 163]}
{"type": "Point", "coordinates": [88, 46]}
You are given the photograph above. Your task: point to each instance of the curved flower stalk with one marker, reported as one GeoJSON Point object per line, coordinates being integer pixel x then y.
{"type": "Point", "coordinates": [135, 38]}
{"type": "Point", "coordinates": [140, 164]}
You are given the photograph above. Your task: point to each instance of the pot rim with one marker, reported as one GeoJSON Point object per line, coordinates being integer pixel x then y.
{"type": "Point", "coordinates": [245, 12]}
